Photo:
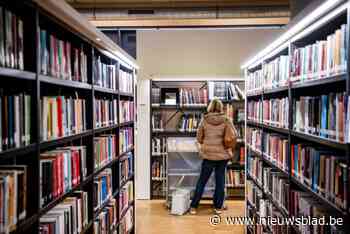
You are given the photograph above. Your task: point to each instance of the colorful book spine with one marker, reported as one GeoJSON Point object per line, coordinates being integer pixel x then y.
{"type": "Point", "coordinates": [276, 112]}
{"type": "Point", "coordinates": [105, 147]}
{"type": "Point", "coordinates": [127, 222]}
{"type": "Point", "coordinates": [255, 111]}
{"type": "Point", "coordinates": [126, 81]}
{"type": "Point", "coordinates": [107, 220]}
{"type": "Point", "coordinates": [106, 112]}
{"type": "Point", "coordinates": [255, 168]}
{"type": "Point", "coordinates": [277, 186]}
{"type": "Point", "coordinates": [189, 122]}
{"type": "Point", "coordinates": [126, 139]}
{"type": "Point", "coordinates": [104, 75]}
{"type": "Point", "coordinates": [126, 167]}
{"type": "Point", "coordinates": [126, 112]}
{"type": "Point", "coordinates": [158, 171]}
{"type": "Point", "coordinates": [126, 196]}
{"type": "Point", "coordinates": [253, 138]}
{"type": "Point", "coordinates": [102, 188]}
{"type": "Point", "coordinates": [193, 97]}
{"type": "Point", "coordinates": [235, 178]}
{"type": "Point", "coordinates": [276, 150]}
{"type": "Point", "coordinates": [276, 72]}
{"type": "Point", "coordinates": [255, 81]}
{"type": "Point", "coordinates": [159, 145]}
{"type": "Point", "coordinates": [60, 171]}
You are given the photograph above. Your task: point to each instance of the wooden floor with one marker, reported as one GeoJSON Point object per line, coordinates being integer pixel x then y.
{"type": "Point", "coordinates": [152, 217]}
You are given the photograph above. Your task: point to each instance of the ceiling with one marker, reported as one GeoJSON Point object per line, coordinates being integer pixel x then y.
{"type": "Point", "coordinates": [151, 4]}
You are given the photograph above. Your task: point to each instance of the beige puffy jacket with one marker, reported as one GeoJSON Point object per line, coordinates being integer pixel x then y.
{"type": "Point", "coordinates": [210, 136]}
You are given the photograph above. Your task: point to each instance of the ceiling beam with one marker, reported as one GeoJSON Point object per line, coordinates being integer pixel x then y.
{"type": "Point", "coordinates": [169, 23]}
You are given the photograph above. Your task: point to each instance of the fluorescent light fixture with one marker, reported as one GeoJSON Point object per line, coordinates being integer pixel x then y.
{"type": "Point", "coordinates": [319, 11]}
{"type": "Point", "coordinates": [197, 78]}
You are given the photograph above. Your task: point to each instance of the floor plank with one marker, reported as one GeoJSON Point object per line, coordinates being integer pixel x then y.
{"type": "Point", "coordinates": [152, 217]}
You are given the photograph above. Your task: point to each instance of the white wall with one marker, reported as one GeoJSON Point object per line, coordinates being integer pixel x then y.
{"type": "Point", "coordinates": [187, 53]}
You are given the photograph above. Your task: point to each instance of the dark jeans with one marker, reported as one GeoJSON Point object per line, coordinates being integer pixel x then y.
{"type": "Point", "coordinates": [207, 168]}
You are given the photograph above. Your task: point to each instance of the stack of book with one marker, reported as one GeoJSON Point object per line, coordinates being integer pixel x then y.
{"type": "Point", "coordinates": [321, 59]}
{"type": "Point", "coordinates": [276, 72]}
{"type": "Point", "coordinates": [155, 96]}
{"type": "Point", "coordinates": [59, 59]}
{"type": "Point", "coordinates": [127, 223]}
{"type": "Point", "coordinates": [69, 216]}
{"type": "Point", "coordinates": [255, 168]}
{"type": "Point", "coordinates": [60, 171]}
{"type": "Point", "coordinates": [255, 111]}
{"type": "Point", "coordinates": [62, 116]}
{"type": "Point", "coordinates": [254, 138]}
{"type": "Point", "coordinates": [235, 178]}
{"type": "Point", "coordinates": [327, 116]}
{"type": "Point", "coordinates": [157, 121]}
{"type": "Point", "coordinates": [105, 149]}
{"type": "Point", "coordinates": [15, 121]}
{"type": "Point", "coordinates": [126, 167]}
{"type": "Point", "coordinates": [255, 82]}
{"type": "Point", "coordinates": [126, 112]}
{"type": "Point", "coordinates": [125, 82]}
{"type": "Point", "coordinates": [323, 171]}
{"type": "Point", "coordinates": [126, 196]}
{"type": "Point", "coordinates": [189, 122]}
{"type": "Point", "coordinates": [276, 150]}
{"type": "Point", "coordinates": [158, 146]}
{"type": "Point", "coordinates": [193, 97]}
{"type": "Point", "coordinates": [11, 37]}
{"type": "Point", "coordinates": [13, 199]}
{"type": "Point", "coordinates": [158, 170]}
{"type": "Point", "coordinates": [107, 220]}
{"type": "Point", "coordinates": [126, 139]}
{"type": "Point", "coordinates": [278, 186]}
{"type": "Point", "coordinates": [104, 75]}
{"type": "Point", "coordinates": [106, 112]}
{"type": "Point", "coordinates": [102, 188]}
{"type": "Point", "coordinates": [276, 112]}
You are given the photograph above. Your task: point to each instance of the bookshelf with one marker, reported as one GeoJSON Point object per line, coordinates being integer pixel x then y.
{"type": "Point", "coordinates": [308, 138]}
{"type": "Point", "coordinates": [169, 113]}
{"type": "Point", "coordinates": [58, 19]}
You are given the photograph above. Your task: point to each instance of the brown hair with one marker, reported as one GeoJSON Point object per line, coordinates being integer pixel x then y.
{"type": "Point", "coordinates": [215, 106]}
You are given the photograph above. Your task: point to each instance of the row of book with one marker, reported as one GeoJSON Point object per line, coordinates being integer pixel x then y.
{"type": "Point", "coordinates": [126, 167]}
{"type": "Point", "coordinates": [69, 216]}
{"type": "Point", "coordinates": [104, 74]}
{"type": "Point", "coordinates": [15, 121]}
{"type": "Point", "coordinates": [11, 40]}
{"type": "Point", "coordinates": [105, 147]}
{"type": "Point", "coordinates": [102, 188]}
{"type": "Point", "coordinates": [60, 59]}
{"type": "Point", "coordinates": [189, 122]}
{"type": "Point", "coordinates": [235, 115]}
{"type": "Point", "coordinates": [253, 138]}
{"type": "Point", "coordinates": [327, 116]}
{"type": "Point", "coordinates": [126, 196]}
{"type": "Point", "coordinates": [276, 112]}
{"type": "Point", "coordinates": [127, 223]}
{"type": "Point", "coordinates": [158, 170]}
{"type": "Point", "coordinates": [106, 112]}
{"type": "Point", "coordinates": [255, 81]}
{"type": "Point", "coordinates": [321, 59]}
{"type": "Point", "coordinates": [193, 97]}
{"type": "Point", "coordinates": [255, 111]}
{"type": "Point", "coordinates": [255, 168]}
{"type": "Point", "coordinates": [126, 112]}
{"type": "Point", "coordinates": [107, 220]}
{"type": "Point", "coordinates": [126, 82]}
{"type": "Point", "coordinates": [276, 72]}
{"type": "Point", "coordinates": [276, 150]}
{"type": "Point", "coordinates": [235, 178]}
{"type": "Point", "coordinates": [62, 116]}
{"type": "Point", "coordinates": [323, 171]}
{"type": "Point", "coordinates": [157, 121]}
{"type": "Point", "coordinates": [225, 91]}
{"type": "Point", "coordinates": [156, 96]}
{"type": "Point", "coordinates": [126, 139]}
{"type": "Point", "coordinates": [61, 170]}
{"type": "Point", "coordinates": [159, 145]}
{"type": "Point", "coordinates": [13, 199]}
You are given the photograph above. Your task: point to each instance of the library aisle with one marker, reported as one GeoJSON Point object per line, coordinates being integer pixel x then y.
{"type": "Point", "coordinates": [153, 218]}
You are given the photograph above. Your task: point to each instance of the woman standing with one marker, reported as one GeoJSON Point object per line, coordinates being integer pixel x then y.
{"type": "Point", "coordinates": [216, 136]}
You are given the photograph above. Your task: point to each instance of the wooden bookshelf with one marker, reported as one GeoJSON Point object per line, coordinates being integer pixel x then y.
{"type": "Point", "coordinates": [336, 83]}
{"type": "Point", "coordinates": [59, 18]}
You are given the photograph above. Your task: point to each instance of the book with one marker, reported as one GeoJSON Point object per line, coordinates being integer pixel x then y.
{"type": "Point", "coordinates": [276, 112]}
{"type": "Point", "coordinates": [254, 138]}
{"type": "Point", "coordinates": [276, 72]}
{"type": "Point", "coordinates": [69, 216]}
{"type": "Point", "coordinates": [193, 96]}
{"type": "Point", "coordinates": [13, 196]}
{"type": "Point", "coordinates": [255, 81]}
{"type": "Point", "coordinates": [127, 222]}
{"type": "Point", "coordinates": [126, 112]}
{"type": "Point", "coordinates": [156, 100]}
{"type": "Point", "coordinates": [107, 220]}
{"type": "Point", "coordinates": [60, 170]}
{"type": "Point", "coordinates": [106, 112]}
{"type": "Point", "coordinates": [158, 170]}
{"type": "Point", "coordinates": [62, 116]}
{"type": "Point", "coordinates": [159, 146]}
{"type": "Point", "coordinates": [189, 122]}
{"type": "Point", "coordinates": [126, 81]}
{"type": "Point", "coordinates": [104, 74]}
{"type": "Point", "coordinates": [104, 149]}
{"type": "Point", "coordinates": [226, 91]}
{"type": "Point", "coordinates": [276, 150]}
{"type": "Point", "coordinates": [157, 121]}
{"type": "Point", "coordinates": [15, 116]}
{"type": "Point", "coordinates": [126, 167]}
{"type": "Point", "coordinates": [126, 139]}
{"type": "Point", "coordinates": [277, 185]}
{"type": "Point", "coordinates": [255, 111]}
{"type": "Point", "coordinates": [102, 188]}
{"type": "Point", "coordinates": [235, 178]}
{"type": "Point", "coordinates": [126, 196]}
{"type": "Point", "coordinates": [255, 168]}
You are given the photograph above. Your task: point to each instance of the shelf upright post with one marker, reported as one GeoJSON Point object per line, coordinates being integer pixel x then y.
{"type": "Point", "coordinates": [348, 94]}
{"type": "Point", "coordinates": [151, 137]}
{"type": "Point", "coordinates": [290, 121]}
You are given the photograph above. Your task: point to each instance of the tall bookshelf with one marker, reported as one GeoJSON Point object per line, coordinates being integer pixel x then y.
{"type": "Point", "coordinates": [167, 159]}
{"type": "Point", "coordinates": [59, 19]}
{"type": "Point", "coordinates": [260, 200]}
